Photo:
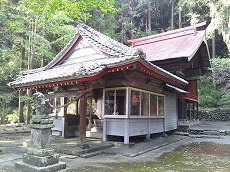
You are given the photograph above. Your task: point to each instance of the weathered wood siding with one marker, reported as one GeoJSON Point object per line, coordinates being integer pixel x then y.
{"type": "Point", "coordinates": [145, 126]}
{"type": "Point", "coordinates": [171, 112]}
{"type": "Point", "coordinates": [115, 127]}
{"type": "Point", "coordinates": [135, 126]}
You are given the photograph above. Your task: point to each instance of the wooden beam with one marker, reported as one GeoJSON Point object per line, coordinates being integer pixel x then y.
{"type": "Point", "coordinates": [63, 94]}
{"type": "Point", "coordinates": [77, 94]}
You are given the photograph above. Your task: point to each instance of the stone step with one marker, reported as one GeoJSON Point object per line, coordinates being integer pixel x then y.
{"type": "Point", "coordinates": [204, 136]}
{"type": "Point", "coordinates": [181, 133]}
{"type": "Point", "coordinates": [211, 132]}
{"type": "Point", "coordinates": [205, 132]}
{"type": "Point", "coordinates": [78, 151]}
{"type": "Point", "coordinates": [97, 129]}
{"type": "Point", "coordinates": [91, 154]}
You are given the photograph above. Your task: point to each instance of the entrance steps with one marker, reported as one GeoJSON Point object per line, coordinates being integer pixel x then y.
{"type": "Point", "coordinates": [185, 125]}
{"type": "Point", "coordinates": [95, 132]}
{"type": "Point", "coordinates": [203, 129]}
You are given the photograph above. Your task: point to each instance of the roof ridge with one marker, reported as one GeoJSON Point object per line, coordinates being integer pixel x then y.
{"type": "Point", "coordinates": [82, 30]}
{"type": "Point", "coordinates": [102, 38]}
{"type": "Point", "coordinates": [168, 34]}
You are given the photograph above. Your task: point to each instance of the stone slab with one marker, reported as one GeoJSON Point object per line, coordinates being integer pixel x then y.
{"type": "Point", "coordinates": [39, 152]}
{"type": "Point", "coordinates": [24, 167]}
{"type": "Point", "coordinates": [41, 161]}
{"type": "Point", "coordinates": [138, 149]}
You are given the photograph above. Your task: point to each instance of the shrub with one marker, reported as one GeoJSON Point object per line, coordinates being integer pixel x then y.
{"type": "Point", "coordinates": [209, 95]}
{"type": "Point", "coordinates": [13, 117]}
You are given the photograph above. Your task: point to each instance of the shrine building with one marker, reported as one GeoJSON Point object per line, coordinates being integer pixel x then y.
{"type": "Point", "coordinates": [132, 91]}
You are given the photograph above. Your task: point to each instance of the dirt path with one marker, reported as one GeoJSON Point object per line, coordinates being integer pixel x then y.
{"type": "Point", "coordinates": [13, 128]}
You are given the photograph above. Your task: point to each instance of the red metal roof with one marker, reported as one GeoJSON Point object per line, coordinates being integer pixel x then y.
{"type": "Point", "coordinates": [172, 44]}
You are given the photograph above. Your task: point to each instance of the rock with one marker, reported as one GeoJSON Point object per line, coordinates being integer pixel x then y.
{"type": "Point", "coordinates": [215, 115]}
{"type": "Point", "coordinates": [164, 135]}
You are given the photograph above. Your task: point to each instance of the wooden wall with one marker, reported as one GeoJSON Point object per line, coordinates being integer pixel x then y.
{"type": "Point", "coordinates": [171, 111]}
{"type": "Point", "coordinates": [192, 87]}
{"type": "Point", "coordinates": [135, 79]}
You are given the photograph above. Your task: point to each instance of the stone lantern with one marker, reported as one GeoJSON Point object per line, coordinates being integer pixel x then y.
{"type": "Point", "coordinates": [39, 157]}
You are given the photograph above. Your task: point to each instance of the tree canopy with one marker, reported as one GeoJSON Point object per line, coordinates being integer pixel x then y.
{"type": "Point", "coordinates": [216, 11]}
{"type": "Point", "coordinates": [32, 32]}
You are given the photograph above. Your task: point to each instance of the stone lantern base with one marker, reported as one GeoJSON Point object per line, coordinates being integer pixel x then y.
{"type": "Point", "coordinates": [25, 167]}
{"type": "Point", "coordinates": [39, 158]}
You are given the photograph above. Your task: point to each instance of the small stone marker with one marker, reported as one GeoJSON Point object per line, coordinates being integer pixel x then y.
{"type": "Point", "coordinates": [39, 158]}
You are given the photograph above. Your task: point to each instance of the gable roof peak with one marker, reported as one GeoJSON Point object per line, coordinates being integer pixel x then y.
{"type": "Point", "coordinates": [101, 39]}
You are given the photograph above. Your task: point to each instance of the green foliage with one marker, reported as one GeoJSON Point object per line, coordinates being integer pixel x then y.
{"type": "Point", "coordinates": [5, 105]}
{"type": "Point", "coordinates": [217, 12]}
{"type": "Point", "coordinates": [209, 95]}
{"type": "Point", "coordinates": [32, 32]}
{"type": "Point", "coordinates": [225, 99]}
{"type": "Point", "coordinates": [213, 89]}
{"type": "Point", "coordinates": [46, 9]}
{"type": "Point", "coordinates": [13, 116]}
{"type": "Point", "coordinates": [220, 62]}
{"type": "Point", "coordinates": [220, 71]}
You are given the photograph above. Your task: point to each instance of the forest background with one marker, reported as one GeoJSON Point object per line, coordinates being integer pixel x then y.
{"type": "Point", "coordinates": [32, 32]}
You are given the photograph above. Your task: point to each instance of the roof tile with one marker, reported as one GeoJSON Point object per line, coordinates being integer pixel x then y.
{"type": "Point", "coordinates": [113, 54]}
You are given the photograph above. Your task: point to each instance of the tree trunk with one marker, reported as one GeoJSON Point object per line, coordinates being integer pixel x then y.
{"type": "Point", "coordinates": [146, 25]}
{"type": "Point", "coordinates": [29, 108]}
{"type": "Point", "coordinates": [122, 32]}
{"type": "Point", "coordinates": [20, 108]}
{"type": "Point", "coordinates": [149, 17]}
{"type": "Point", "coordinates": [172, 16]}
{"type": "Point", "coordinates": [213, 45]}
{"type": "Point", "coordinates": [180, 18]}
{"type": "Point", "coordinates": [31, 55]}
{"type": "Point", "coordinates": [20, 103]}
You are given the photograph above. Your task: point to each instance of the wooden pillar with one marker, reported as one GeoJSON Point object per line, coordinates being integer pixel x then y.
{"type": "Point", "coordinates": [126, 131]}
{"type": "Point", "coordinates": [82, 112]}
{"type": "Point", "coordinates": [197, 110]}
{"type": "Point", "coordinates": [148, 135]}
{"type": "Point", "coordinates": [104, 130]}
{"type": "Point", "coordinates": [193, 110]}
{"type": "Point", "coordinates": [90, 125]}
{"type": "Point", "coordinates": [189, 109]}
{"type": "Point", "coordinates": [76, 107]}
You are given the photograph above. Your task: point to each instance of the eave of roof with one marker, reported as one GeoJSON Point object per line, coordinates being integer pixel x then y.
{"type": "Point", "coordinates": [95, 74]}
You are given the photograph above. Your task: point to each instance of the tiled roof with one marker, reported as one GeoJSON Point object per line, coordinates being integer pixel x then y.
{"type": "Point", "coordinates": [105, 54]}
{"type": "Point", "coordinates": [172, 44]}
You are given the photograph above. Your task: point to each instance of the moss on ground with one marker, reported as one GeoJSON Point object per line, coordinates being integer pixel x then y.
{"type": "Point", "coordinates": [197, 157]}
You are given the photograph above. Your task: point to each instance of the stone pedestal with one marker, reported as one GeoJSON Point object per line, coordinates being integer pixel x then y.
{"type": "Point", "coordinates": [38, 157]}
